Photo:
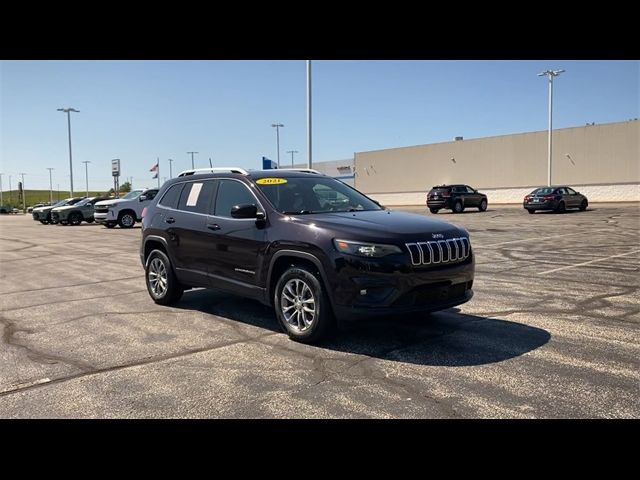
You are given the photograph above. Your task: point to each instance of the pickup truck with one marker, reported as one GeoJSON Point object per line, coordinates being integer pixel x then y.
{"type": "Point", "coordinates": [125, 211]}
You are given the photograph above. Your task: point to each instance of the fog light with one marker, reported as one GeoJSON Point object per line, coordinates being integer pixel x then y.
{"type": "Point", "coordinates": [363, 291]}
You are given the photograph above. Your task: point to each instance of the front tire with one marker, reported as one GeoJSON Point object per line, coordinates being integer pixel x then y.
{"type": "Point", "coordinates": [483, 206]}
{"type": "Point", "coordinates": [457, 207]}
{"type": "Point", "coordinates": [531, 211]}
{"type": "Point", "coordinates": [126, 220]}
{"type": "Point", "coordinates": [302, 305]}
{"type": "Point", "coordinates": [162, 284]}
{"type": "Point", "coordinates": [75, 218]}
{"type": "Point", "coordinates": [44, 222]}
{"type": "Point", "coordinates": [433, 210]}
{"type": "Point", "coordinates": [583, 205]}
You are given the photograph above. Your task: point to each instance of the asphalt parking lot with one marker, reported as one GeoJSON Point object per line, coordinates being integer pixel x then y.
{"type": "Point", "coordinates": [553, 331]}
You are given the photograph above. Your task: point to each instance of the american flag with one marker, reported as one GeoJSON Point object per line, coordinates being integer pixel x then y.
{"type": "Point", "coordinates": [154, 168]}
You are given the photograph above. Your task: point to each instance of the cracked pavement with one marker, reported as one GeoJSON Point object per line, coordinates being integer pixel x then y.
{"type": "Point", "coordinates": [80, 337]}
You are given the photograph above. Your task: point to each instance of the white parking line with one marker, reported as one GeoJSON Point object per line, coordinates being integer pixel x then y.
{"type": "Point", "coordinates": [524, 240]}
{"type": "Point", "coordinates": [587, 263]}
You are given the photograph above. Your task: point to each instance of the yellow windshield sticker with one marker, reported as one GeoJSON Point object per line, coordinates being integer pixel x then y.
{"type": "Point", "coordinates": [271, 181]}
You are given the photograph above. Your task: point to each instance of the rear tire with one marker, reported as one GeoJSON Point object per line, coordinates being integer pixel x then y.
{"type": "Point", "coordinates": [89, 220]}
{"type": "Point", "coordinates": [64, 222]}
{"type": "Point", "coordinates": [433, 210]}
{"type": "Point", "coordinates": [457, 207]}
{"type": "Point", "coordinates": [531, 210]}
{"type": "Point", "coordinates": [584, 205]}
{"type": "Point", "coordinates": [561, 208]}
{"type": "Point", "coordinates": [162, 284]}
{"type": "Point", "coordinates": [44, 222]}
{"type": "Point", "coordinates": [302, 305]}
{"type": "Point", "coordinates": [483, 206]}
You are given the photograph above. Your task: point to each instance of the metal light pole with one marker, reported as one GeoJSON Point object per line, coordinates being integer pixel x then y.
{"type": "Point", "coordinates": [58, 193]}
{"type": "Point", "coordinates": [550, 74]}
{"type": "Point", "coordinates": [192, 164]}
{"type": "Point", "coordinates": [292, 152]}
{"type": "Point", "coordinates": [50, 186]}
{"type": "Point", "coordinates": [277, 127]}
{"type": "Point", "coordinates": [170, 168]}
{"type": "Point", "coordinates": [1, 202]}
{"type": "Point", "coordinates": [309, 160]}
{"type": "Point", "coordinates": [10, 199]}
{"type": "Point", "coordinates": [68, 112]}
{"type": "Point", "coordinates": [86, 173]}
{"type": "Point", "coordinates": [24, 196]}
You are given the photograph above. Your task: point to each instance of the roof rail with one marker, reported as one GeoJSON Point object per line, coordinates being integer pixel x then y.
{"type": "Point", "coordinates": [303, 170]}
{"type": "Point", "coordinates": [195, 171]}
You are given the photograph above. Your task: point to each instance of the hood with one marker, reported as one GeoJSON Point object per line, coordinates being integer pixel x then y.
{"type": "Point", "coordinates": [43, 209]}
{"type": "Point", "coordinates": [105, 203]}
{"type": "Point", "coordinates": [373, 225]}
{"type": "Point", "coordinates": [64, 207]}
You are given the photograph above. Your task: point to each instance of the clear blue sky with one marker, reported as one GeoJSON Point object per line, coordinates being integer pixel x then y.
{"type": "Point", "coordinates": [140, 110]}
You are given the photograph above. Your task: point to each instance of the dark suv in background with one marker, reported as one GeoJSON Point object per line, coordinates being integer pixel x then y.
{"type": "Point", "coordinates": [305, 243]}
{"type": "Point", "coordinates": [456, 198]}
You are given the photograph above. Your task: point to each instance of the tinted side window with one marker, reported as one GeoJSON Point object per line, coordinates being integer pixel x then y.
{"type": "Point", "coordinates": [571, 191]}
{"type": "Point", "coordinates": [170, 198]}
{"type": "Point", "coordinates": [196, 197]}
{"type": "Point", "coordinates": [230, 194]}
{"type": "Point", "coordinates": [459, 190]}
{"type": "Point", "coordinates": [469, 189]}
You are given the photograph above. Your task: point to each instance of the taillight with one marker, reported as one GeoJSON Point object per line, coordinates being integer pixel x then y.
{"type": "Point", "coordinates": [144, 212]}
{"type": "Point", "coordinates": [526, 198]}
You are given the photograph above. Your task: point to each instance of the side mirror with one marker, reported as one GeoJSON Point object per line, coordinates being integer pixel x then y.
{"type": "Point", "coordinates": [142, 198]}
{"type": "Point", "coordinates": [245, 210]}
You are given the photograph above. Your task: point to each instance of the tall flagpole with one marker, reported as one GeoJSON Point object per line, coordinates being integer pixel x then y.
{"type": "Point", "coordinates": [158, 173]}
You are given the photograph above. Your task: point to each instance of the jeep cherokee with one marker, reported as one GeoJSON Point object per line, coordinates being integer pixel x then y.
{"type": "Point", "coordinates": [307, 244]}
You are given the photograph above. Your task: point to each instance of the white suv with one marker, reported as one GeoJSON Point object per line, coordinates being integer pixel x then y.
{"type": "Point", "coordinates": [125, 211]}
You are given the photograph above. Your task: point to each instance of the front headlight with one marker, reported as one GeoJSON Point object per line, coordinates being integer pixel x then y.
{"type": "Point", "coordinates": [365, 249]}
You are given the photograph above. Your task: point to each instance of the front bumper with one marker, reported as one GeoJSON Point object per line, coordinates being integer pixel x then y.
{"type": "Point", "coordinates": [369, 287]}
{"type": "Point", "coordinates": [58, 217]}
{"type": "Point", "coordinates": [104, 217]}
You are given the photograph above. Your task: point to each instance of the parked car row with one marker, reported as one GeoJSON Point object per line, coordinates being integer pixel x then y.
{"type": "Point", "coordinates": [125, 211]}
{"type": "Point", "coordinates": [459, 197]}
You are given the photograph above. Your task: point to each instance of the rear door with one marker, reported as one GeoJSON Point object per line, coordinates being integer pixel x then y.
{"type": "Point", "coordinates": [236, 246]}
{"type": "Point", "coordinates": [186, 229]}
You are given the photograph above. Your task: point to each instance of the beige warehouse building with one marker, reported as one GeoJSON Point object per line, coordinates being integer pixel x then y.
{"type": "Point", "coordinates": [601, 161]}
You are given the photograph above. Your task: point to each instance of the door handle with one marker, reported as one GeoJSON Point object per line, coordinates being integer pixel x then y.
{"type": "Point", "coordinates": [213, 226]}
{"type": "Point", "coordinates": [170, 220]}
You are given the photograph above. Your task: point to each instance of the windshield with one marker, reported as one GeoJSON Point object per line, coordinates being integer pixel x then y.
{"type": "Point", "coordinates": [300, 195]}
{"type": "Point", "coordinates": [543, 191]}
{"type": "Point", "coordinates": [84, 202]}
{"type": "Point", "coordinates": [132, 194]}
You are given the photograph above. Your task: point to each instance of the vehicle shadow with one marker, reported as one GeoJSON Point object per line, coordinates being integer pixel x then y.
{"type": "Point", "coordinates": [448, 338]}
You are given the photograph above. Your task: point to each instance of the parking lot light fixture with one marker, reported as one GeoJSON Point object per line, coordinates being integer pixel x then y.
{"type": "Point", "coordinates": [277, 127]}
{"type": "Point", "coordinates": [551, 74]}
{"type": "Point", "coordinates": [68, 111]}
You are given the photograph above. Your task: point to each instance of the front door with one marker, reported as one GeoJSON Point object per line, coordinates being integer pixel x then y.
{"type": "Point", "coordinates": [473, 198]}
{"type": "Point", "coordinates": [236, 245]}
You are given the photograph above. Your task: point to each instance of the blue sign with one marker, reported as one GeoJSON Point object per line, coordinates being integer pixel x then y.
{"type": "Point", "coordinates": [268, 164]}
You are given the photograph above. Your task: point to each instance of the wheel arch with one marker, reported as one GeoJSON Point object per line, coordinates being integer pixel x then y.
{"type": "Point", "coordinates": [282, 260]}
